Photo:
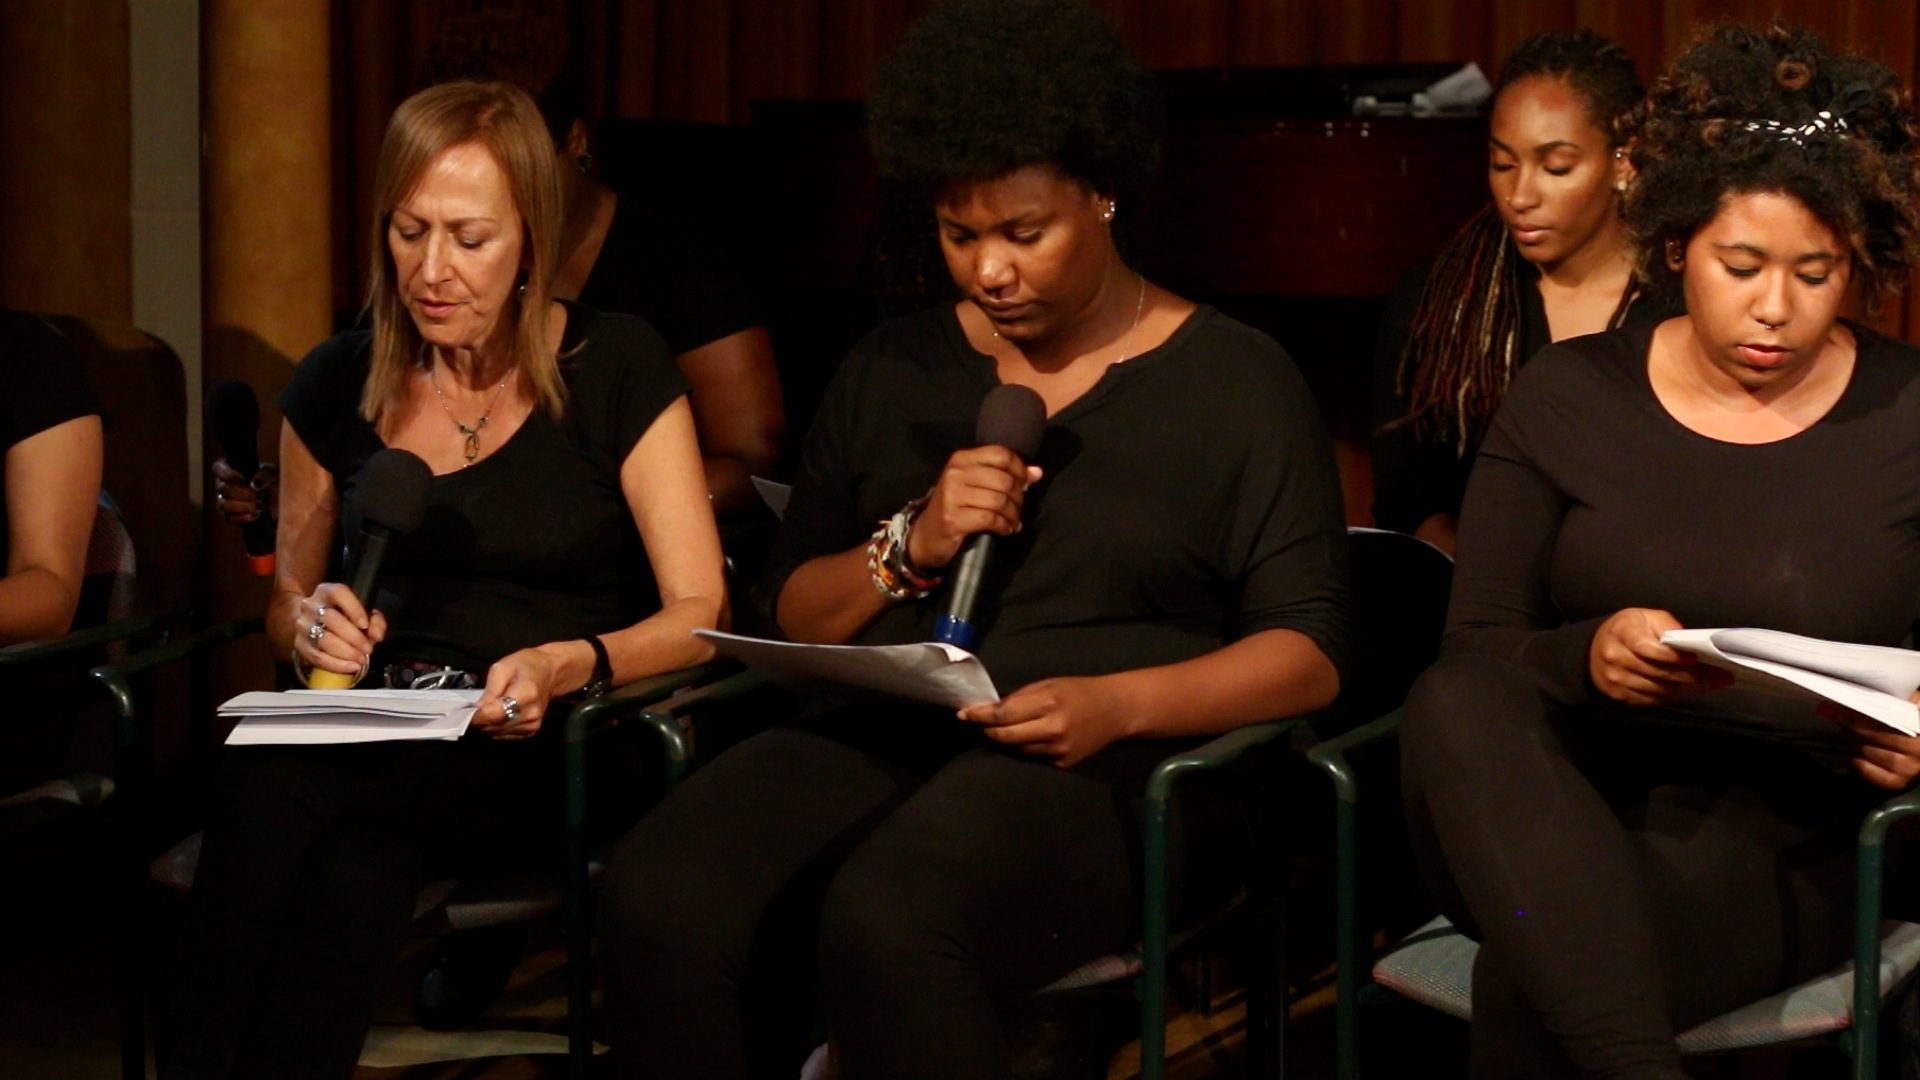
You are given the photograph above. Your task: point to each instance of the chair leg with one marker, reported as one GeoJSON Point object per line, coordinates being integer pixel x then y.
{"type": "Point", "coordinates": [579, 928]}
{"type": "Point", "coordinates": [1346, 946]}
{"type": "Point", "coordinates": [130, 773]}
{"type": "Point", "coordinates": [1267, 975]}
{"type": "Point", "coordinates": [1153, 947]}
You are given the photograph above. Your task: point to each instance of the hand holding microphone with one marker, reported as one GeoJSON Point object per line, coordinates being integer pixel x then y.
{"type": "Point", "coordinates": [979, 496]}
{"type": "Point", "coordinates": [233, 417]}
{"type": "Point", "coordinates": [334, 630]}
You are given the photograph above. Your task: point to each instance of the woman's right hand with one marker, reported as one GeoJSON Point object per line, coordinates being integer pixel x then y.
{"type": "Point", "coordinates": [980, 491]}
{"type": "Point", "coordinates": [351, 631]}
{"type": "Point", "coordinates": [1627, 662]}
{"type": "Point", "coordinates": [244, 499]}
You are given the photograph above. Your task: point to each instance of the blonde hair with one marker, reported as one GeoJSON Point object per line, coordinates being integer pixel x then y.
{"type": "Point", "coordinates": [504, 120]}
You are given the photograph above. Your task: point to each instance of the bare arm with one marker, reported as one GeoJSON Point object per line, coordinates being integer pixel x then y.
{"type": "Point", "coordinates": [738, 413]}
{"type": "Point", "coordinates": [663, 483]}
{"type": "Point", "coordinates": [830, 599]}
{"type": "Point", "coordinates": [1265, 676]}
{"type": "Point", "coordinates": [309, 523]}
{"type": "Point", "coordinates": [53, 485]}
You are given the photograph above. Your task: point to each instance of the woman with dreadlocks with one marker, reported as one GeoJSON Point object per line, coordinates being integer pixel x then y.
{"type": "Point", "coordinates": [1546, 260]}
{"type": "Point", "coordinates": [1637, 846]}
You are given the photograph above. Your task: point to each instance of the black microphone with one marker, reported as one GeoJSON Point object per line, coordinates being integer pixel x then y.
{"type": "Point", "coordinates": [1014, 417]}
{"type": "Point", "coordinates": [391, 493]}
{"type": "Point", "coordinates": [233, 414]}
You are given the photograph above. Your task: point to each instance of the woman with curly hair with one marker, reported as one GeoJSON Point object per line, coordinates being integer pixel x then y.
{"type": "Point", "coordinates": [1638, 847]}
{"type": "Point", "coordinates": [1547, 260]}
{"type": "Point", "coordinates": [1149, 587]}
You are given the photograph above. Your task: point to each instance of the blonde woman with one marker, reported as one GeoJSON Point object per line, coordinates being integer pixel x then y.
{"type": "Point", "coordinates": [567, 544]}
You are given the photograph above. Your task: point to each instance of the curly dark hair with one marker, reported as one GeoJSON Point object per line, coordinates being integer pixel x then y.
{"type": "Point", "coordinates": [1599, 71]}
{"type": "Point", "coordinates": [1713, 126]}
{"type": "Point", "coordinates": [980, 88]}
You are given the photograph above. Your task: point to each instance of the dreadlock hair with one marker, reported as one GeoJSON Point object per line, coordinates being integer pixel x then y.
{"type": "Point", "coordinates": [1464, 338]}
{"type": "Point", "coordinates": [1746, 111]}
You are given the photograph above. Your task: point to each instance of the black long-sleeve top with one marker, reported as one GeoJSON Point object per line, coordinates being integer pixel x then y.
{"type": "Point", "coordinates": [1415, 478]}
{"type": "Point", "coordinates": [1589, 497]}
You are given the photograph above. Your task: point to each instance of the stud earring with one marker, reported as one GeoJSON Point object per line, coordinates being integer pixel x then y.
{"type": "Point", "coordinates": [1107, 214]}
{"type": "Point", "coordinates": [584, 163]}
{"type": "Point", "coordinates": [1620, 185]}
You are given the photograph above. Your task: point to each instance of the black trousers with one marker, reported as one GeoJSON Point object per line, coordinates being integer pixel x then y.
{"type": "Point", "coordinates": [938, 881]}
{"type": "Point", "coordinates": [313, 857]}
{"type": "Point", "coordinates": [1625, 880]}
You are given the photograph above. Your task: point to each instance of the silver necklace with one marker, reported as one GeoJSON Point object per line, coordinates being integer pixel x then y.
{"type": "Point", "coordinates": [472, 448]}
{"type": "Point", "coordinates": [1139, 306]}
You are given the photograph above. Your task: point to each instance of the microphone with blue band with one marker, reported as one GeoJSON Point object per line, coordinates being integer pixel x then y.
{"type": "Point", "coordinates": [1013, 417]}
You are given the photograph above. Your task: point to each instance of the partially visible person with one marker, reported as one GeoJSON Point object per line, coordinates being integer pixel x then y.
{"type": "Point", "coordinates": [50, 433]}
{"type": "Point", "coordinates": [1547, 260]}
{"type": "Point", "coordinates": [1637, 846]}
{"type": "Point", "coordinates": [1150, 587]}
{"type": "Point", "coordinates": [622, 253]}
{"type": "Point", "coordinates": [567, 546]}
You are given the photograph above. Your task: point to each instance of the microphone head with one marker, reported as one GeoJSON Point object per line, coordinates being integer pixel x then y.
{"type": "Point", "coordinates": [391, 490]}
{"type": "Point", "coordinates": [233, 414]}
{"type": "Point", "coordinates": [1014, 417]}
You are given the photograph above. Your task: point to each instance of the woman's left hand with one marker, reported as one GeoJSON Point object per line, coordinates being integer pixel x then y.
{"type": "Point", "coordinates": [525, 677]}
{"type": "Point", "coordinates": [1068, 719]}
{"type": "Point", "coordinates": [1881, 755]}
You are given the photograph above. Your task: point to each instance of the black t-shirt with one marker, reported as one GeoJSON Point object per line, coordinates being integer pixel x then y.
{"type": "Point", "coordinates": [531, 544]}
{"type": "Point", "coordinates": [657, 266]}
{"type": "Point", "coordinates": [1416, 478]}
{"type": "Point", "coordinates": [45, 388]}
{"type": "Point", "coordinates": [1189, 499]}
{"type": "Point", "coordinates": [1590, 497]}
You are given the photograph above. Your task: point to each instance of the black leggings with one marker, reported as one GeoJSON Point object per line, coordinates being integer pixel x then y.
{"type": "Point", "coordinates": [306, 885]}
{"type": "Point", "coordinates": [937, 886]}
{"type": "Point", "coordinates": [1626, 880]}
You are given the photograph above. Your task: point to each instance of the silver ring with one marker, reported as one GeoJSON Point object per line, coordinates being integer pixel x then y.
{"type": "Point", "coordinates": [315, 632]}
{"type": "Point", "coordinates": [511, 707]}
{"type": "Point", "coordinates": [319, 613]}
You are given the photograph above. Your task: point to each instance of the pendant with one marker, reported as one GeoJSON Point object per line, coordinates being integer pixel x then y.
{"type": "Point", "coordinates": [473, 446]}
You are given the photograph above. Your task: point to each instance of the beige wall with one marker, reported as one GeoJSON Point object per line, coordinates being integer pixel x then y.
{"type": "Point", "coordinates": [65, 234]}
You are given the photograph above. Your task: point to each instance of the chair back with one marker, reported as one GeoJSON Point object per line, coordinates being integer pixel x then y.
{"type": "Point", "coordinates": [1398, 600]}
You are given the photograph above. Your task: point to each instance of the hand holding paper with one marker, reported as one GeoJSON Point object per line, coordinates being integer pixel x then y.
{"type": "Point", "coordinates": [1067, 719]}
{"type": "Point", "coordinates": [1872, 680]}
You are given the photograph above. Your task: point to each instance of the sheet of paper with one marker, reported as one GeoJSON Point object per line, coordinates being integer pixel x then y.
{"type": "Point", "coordinates": [1889, 670]}
{"type": "Point", "coordinates": [313, 717]}
{"type": "Point", "coordinates": [934, 673]}
{"type": "Point", "coordinates": [774, 493]}
{"type": "Point", "coordinates": [1777, 678]}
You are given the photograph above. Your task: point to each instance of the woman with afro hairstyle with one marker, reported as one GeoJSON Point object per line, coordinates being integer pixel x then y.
{"type": "Point", "coordinates": [1168, 565]}
{"type": "Point", "coordinates": [1637, 846]}
{"type": "Point", "coordinates": [1546, 260]}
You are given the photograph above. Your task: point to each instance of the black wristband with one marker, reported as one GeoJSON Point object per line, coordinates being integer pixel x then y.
{"type": "Point", "coordinates": [602, 679]}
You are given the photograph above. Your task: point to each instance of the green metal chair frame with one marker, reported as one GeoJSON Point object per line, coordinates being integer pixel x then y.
{"type": "Point", "coordinates": [1860, 1041]}
{"type": "Point", "coordinates": [128, 777]}
{"type": "Point", "coordinates": [1266, 1017]}
{"type": "Point", "coordinates": [645, 701]}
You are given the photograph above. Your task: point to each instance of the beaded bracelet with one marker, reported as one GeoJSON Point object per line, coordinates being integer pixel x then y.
{"type": "Point", "coordinates": [887, 564]}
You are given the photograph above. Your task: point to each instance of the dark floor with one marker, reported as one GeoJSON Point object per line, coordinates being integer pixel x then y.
{"type": "Point", "coordinates": [58, 1020]}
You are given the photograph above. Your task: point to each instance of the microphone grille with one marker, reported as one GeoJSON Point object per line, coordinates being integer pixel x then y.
{"type": "Point", "coordinates": [233, 412]}
{"type": "Point", "coordinates": [392, 490]}
{"type": "Point", "coordinates": [1014, 417]}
